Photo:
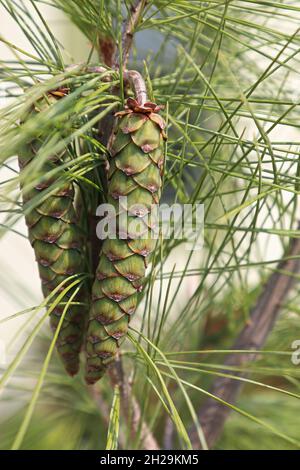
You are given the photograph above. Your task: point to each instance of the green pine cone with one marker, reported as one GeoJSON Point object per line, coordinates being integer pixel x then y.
{"type": "Point", "coordinates": [136, 165]}
{"type": "Point", "coordinates": [57, 242]}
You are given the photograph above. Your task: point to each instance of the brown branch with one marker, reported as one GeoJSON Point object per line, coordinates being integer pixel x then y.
{"type": "Point", "coordinates": [131, 77]}
{"type": "Point", "coordinates": [106, 49]}
{"type": "Point", "coordinates": [91, 69]}
{"type": "Point", "coordinates": [137, 84]}
{"type": "Point", "coordinates": [130, 407]}
{"type": "Point", "coordinates": [130, 25]}
{"type": "Point", "coordinates": [213, 414]}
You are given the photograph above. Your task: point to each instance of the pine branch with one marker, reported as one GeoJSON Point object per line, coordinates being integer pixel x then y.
{"type": "Point", "coordinates": [137, 84]}
{"type": "Point", "coordinates": [130, 407]}
{"type": "Point", "coordinates": [130, 25]}
{"type": "Point", "coordinates": [253, 336]}
{"type": "Point", "coordinates": [91, 69]}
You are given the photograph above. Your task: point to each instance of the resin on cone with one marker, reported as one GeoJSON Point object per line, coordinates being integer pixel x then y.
{"type": "Point", "coordinates": [136, 166]}
{"type": "Point", "coordinates": [56, 240]}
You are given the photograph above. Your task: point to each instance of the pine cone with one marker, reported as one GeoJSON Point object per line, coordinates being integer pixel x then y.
{"type": "Point", "coordinates": [57, 242]}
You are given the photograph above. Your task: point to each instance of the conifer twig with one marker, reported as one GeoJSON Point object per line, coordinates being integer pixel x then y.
{"type": "Point", "coordinates": [90, 69]}
{"type": "Point", "coordinates": [130, 407]}
{"type": "Point", "coordinates": [137, 84]}
{"type": "Point", "coordinates": [213, 413]}
{"type": "Point", "coordinates": [106, 49]}
{"type": "Point", "coordinates": [132, 77]}
{"type": "Point", "coordinates": [130, 25]}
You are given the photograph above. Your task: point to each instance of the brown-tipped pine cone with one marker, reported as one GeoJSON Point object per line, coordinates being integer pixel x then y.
{"type": "Point", "coordinates": [57, 243]}
{"type": "Point", "coordinates": [136, 166]}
